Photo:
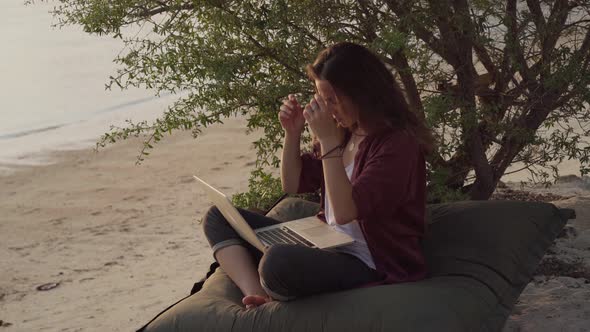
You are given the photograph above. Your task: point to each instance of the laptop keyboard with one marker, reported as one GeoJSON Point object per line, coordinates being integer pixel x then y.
{"type": "Point", "coordinates": [282, 235]}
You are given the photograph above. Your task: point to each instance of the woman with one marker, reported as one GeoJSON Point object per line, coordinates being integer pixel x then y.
{"type": "Point", "coordinates": [368, 160]}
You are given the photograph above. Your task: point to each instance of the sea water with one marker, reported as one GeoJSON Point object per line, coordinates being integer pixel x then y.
{"type": "Point", "coordinates": [52, 86]}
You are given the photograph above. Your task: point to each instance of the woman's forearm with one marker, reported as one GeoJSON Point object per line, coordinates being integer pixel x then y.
{"type": "Point", "coordinates": [291, 163]}
{"type": "Point", "coordinates": [338, 188]}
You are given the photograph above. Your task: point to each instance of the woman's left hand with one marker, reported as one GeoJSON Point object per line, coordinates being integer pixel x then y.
{"type": "Point", "coordinates": [318, 115]}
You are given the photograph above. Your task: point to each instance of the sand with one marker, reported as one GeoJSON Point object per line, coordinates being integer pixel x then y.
{"type": "Point", "coordinates": [121, 242]}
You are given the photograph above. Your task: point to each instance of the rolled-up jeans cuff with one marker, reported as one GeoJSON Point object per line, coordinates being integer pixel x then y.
{"type": "Point", "coordinates": [226, 243]}
{"type": "Point", "coordinates": [275, 295]}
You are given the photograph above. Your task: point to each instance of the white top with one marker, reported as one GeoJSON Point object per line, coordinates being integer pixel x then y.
{"type": "Point", "coordinates": [359, 247]}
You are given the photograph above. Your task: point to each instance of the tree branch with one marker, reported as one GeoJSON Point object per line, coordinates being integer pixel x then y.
{"type": "Point", "coordinates": [484, 57]}
{"type": "Point", "coordinates": [145, 13]}
{"type": "Point", "coordinates": [368, 23]}
{"type": "Point", "coordinates": [460, 33]}
{"type": "Point", "coordinates": [306, 33]}
{"type": "Point", "coordinates": [538, 17]}
{"type": "Point", "coordinates": [402, 10]}
{"type": "Point", "coordinates": [582, 54]}
{"type": "Point", "coordinates": [551, 34]}
{"type": "Point", "coordinates": [513, 45]}
{"type": "Point", "coordinates": [400, 62]}
{"type": "Point", "coordinates": [446, 22]}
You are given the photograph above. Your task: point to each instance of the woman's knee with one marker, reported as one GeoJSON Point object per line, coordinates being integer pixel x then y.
{"type": "Point", "coordinates": [274, 261]}
{"type": "Point", "coordinates": [275, 270]}
{"type": "Point", "coordinates": [211, 220]}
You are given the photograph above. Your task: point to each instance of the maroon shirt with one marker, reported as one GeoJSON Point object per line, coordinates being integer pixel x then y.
{"type": "Point", "coordinates": [389, 189]}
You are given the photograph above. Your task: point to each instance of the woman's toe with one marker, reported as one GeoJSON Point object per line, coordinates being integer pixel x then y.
{"type": "Point", "coordinates": [252, 301]}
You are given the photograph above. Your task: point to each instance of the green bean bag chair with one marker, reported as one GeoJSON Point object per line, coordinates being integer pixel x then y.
{"type": "Point", "coordinates": [481, 255]}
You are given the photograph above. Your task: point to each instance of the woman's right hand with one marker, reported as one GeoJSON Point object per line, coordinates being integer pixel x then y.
{"type": "Point", "coordinates": [291, 116]}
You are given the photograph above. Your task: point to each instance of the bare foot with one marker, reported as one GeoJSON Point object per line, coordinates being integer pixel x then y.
{"type": "Point", "coordinates": [253, 301]}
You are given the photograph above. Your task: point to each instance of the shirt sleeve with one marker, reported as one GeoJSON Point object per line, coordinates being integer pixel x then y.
{"type": "Point", "coordinates": [384, 183]}
{"type": "Point", "coordinates": [310, 178]}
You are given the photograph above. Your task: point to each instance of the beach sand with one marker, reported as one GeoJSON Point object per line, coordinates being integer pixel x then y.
{"type": "Point", "coordinates": [122, 242]}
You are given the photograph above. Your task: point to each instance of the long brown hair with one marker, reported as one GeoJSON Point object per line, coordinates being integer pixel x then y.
{"type": "Point", "coordinates": [357, 73]}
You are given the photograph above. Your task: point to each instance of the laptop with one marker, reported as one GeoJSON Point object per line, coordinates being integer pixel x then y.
{"type": "Point", "coordinates": [310, 232]}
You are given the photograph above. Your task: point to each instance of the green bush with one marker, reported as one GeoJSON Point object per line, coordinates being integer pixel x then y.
{"type": "Point", "coordinates": [263, 191]}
